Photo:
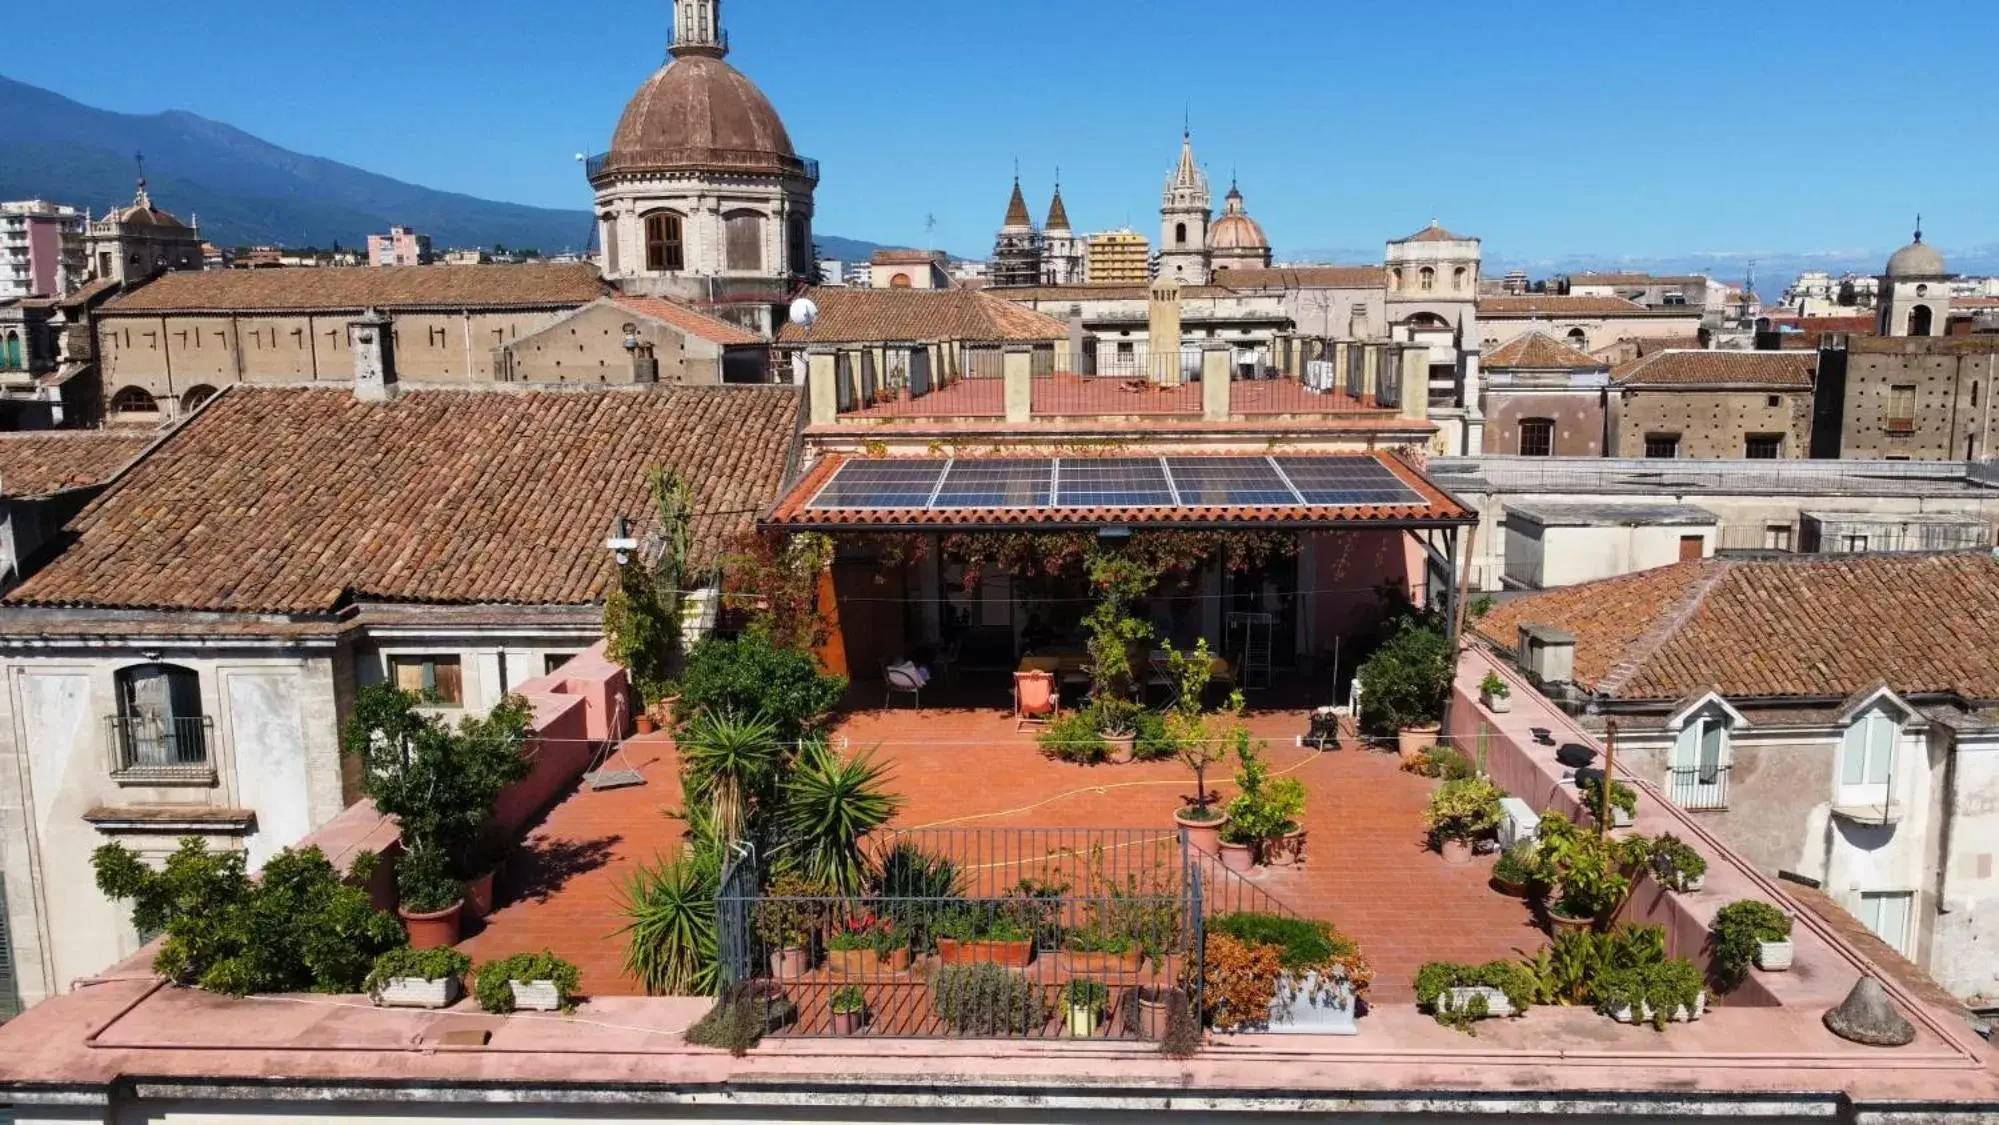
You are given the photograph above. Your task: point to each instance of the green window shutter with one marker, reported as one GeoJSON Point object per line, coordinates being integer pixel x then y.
{"type": "Point", "coordinates": [10, 990]}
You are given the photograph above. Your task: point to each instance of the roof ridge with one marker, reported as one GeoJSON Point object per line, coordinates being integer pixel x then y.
{"type": "Point", "coordinates": [1664, 627]}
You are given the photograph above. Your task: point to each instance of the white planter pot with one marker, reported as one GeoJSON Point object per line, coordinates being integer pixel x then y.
{"type": "Point", "coordinates": [416, 992]}
{"type": "Point", "coordinates": [1457, 999]}
{"type": "Point", "coordinates": [536, 995]}
{"type": "Point", "coordinates": [1082, 1021]}
{"type": "Point", "coordinates": [1643, 1013]}
{"type": "Point", "coordinates": [1312, 1006]}
{"type": "Point", "coordinates": [1690, 886]}
{"type": "Point", "coordinates": [1497, 704]}
{"type": "Point", "coordinates": [1775, 956]}
{"type": "Point", "coordinates": [1625, 1013]}
{"type": "Point", "coordinates": [1681, 1014]}
{"type": "Point", "coordinates": [1621, 819]}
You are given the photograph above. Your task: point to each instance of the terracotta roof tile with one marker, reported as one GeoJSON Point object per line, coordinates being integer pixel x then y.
{"type": "Point", "coordinates": [383, 287]}
{"type": "Point", "coordinates": [1820, 627]}
{"type": "Point", "coordinates": [38, 463]}
{"type": "Point", "coordinates": [692, 321]}
{"type": "Point", "coordinates": [1540, 351]}
{"type": "Point", "coordinates": [861, 316]}
{"type": "Point", "coordinates": [1653, 345]}
{"type": "Point", "coordinates": [1304, 277]}
{"type": "Point", "coordinates": [1776, 370]}
{"type": "Point", "coordinates": [1435, 233]}
{"type": "Point", "coordinates": [288, 500]}
{"type": "Point", "coordinates": [1550, 304]}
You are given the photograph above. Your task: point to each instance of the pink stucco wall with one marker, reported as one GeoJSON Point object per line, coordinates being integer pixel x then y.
{"type": "Point", "coordinates": [44, 256]}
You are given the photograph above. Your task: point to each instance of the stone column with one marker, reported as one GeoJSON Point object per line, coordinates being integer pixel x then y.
{"type": "Point", "coordinates": [1215, 382]}
{"type": "Point", "coordinates": [821, 391]}
{"type": "Point", "coordinates": [1370, 369]}
{"type": "Point", "coordinates": [1017, 372]}
{"type": "Point", "coordinates": [1162, 332]}
{"type": "Point", "coordinates": [1416, 381]}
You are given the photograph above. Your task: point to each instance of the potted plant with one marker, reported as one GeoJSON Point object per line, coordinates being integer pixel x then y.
{"type": "Point", "coordinates": [1404, 684]}
{"type": "Point", "coordinates": [1460, 995]}
{"type": "Point", "coordinates": [1588, 875]}
{"type": "Point", "coordinates": [1749, 931]}
{"type": "Point", "coordinates": [988, 932]}
{"type": "Point", "coordinates": [1096, 951]}
{"type": "Point", "coordinates": [1516, 873]}
{"type": "Point", "coordinates": [987, 1000]}
{"type": "Point", "coordinates": [1086, 1001]}
{"type": "Point", "coordinates": [1657, 992]}
{"type": "Point", "coordinates": [1117, 721]}
{"type": "Point", "coordinates": [1075, 737]}
{"type": "Point", "coordinates": [1320, 977]}
{"type": "Point", "coordinates": [1461, 812]}
{"type": "Point", "coordinates": [863, 945]}
{"type": "Point", "coordinates": [1198, 750]}
{"type": "Point", "coordinates": [479, 864]}
{"type": "Point", "coordinates": [1677, 866]}
{"type": "Point", "coordinates": [1284, 799]}
{"type": "Point", "coordinates": [430, 898]}
{"type": "Point", "coordinates": [1254, 819]}
{"type": "Point", "coordinates": [1623, 799]}
{"type": "Point", "coordinates": [785, 919]}
{"type": "Point", "coordinates": [417, 978]}
{"type": "Point", "coordinates": [849, 1007]}
{"type": "Point", "coordinates": [1495, 694]}
{"type": "Point", "coordinates": [1238, 846]}
{"type": "Point", "coordinates": [529, 982]}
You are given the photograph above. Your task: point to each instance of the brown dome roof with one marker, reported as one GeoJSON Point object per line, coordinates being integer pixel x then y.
{"type": "Point", "coordinates": [1237, 232]}
{"type": "Point", "coordinates": [699, 112]}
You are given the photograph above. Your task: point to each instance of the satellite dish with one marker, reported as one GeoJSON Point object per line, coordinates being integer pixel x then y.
{"type": "Point", "coordinates": [804, 312]}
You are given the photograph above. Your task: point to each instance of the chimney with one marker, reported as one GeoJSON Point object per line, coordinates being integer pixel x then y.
{"type": "Point", "coordinates": [1547, 654]}
{"type": "Point", "coordinates": [372, 337]}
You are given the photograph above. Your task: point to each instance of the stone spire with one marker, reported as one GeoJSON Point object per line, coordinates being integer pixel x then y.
{"type": "Point", "coordinates": [1058, 215]}
{"type": "Point", "coordinates": [1187, 176]}
{"type": "Point", "coordinates": [697, 29]}
{"type": "Point", "coordinates": [1016, 210]}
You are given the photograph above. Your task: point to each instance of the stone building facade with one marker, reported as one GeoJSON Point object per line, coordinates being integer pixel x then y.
{"type": "Point", "coordinates": [1184, 212]}
{"type": "Point", "coordinates": [1543, 398]}
{"type": "Point", "coordinates": [1710, 404]}
{"type": "Point", "coordinates": [1907, 398]}
{"type": "Point", "coordinates": [131, 244]}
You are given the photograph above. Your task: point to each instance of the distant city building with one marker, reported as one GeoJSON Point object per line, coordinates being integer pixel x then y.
{"type": "Point", "coordinates": [41, 249]}
{"type": "Point", "coordinates": [1016, 259]}
{"type": "Point", "coordinates": [133, 243]}
{"type": "Point", "coordinates": [1818, 293]}
{"type": "Point", "coordinates": [860, 275]}
{"type": "Point", "coordinates": [1514, 284]}
{"type": "Point", "coordinates": [908, 269]}
{"type": "Point", "coordinates": [833, 271]}
{"type": "Point", "coordinates": [967, 274]}
{"type": "Point", "coordinates": [258, 258]}
{"type": "Point", "coordinates": [466, 257]}
{"type": "Point", "coordinates": [214, 257]}
{"type": "Point", "coordinates": [1117, 257]}
{"type": "Point", "coordinates": [402, 246]}
{"type": "Point", "coordinates": [1651, 290]}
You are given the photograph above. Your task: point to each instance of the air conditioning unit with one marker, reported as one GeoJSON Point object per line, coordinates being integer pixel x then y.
{"type": "Point", "coordinates": [1517, 821]}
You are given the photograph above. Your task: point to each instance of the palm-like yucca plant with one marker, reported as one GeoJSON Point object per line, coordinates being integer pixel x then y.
{"type": "Point", "coordinates": [729, 761]}
{"type": "Point", "coordinates": [671, 907]}
{"type": "Point", "coordinates": [830, 804]}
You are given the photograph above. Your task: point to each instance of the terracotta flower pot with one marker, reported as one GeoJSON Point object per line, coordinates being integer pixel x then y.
{"type": "Point", "coordinates": [1457, 853]}
{"type": "Point", "coordinates": [1121, 745]}
{"type": "Point", "coordinates": [479, 896]}
{"type": "Point", "coordinates": [1412, 741]}
{"type": "Point", "coordinates": [1013, 954]}
{"type": "Point", "coordinates": [1202, 835]}
{"type": "Point", "coordinates": [1154, 1011]}
{"type": "Point", "coordinates": [848, 1023]}
{"type": "Point", "coordinates": [1558, 923]}
{"type": "Point", "coordinates": [434, 930]}
{"type": "Point", "coordinates": [1238, 857]}
{"type": "Point", "coordinates": [1285, 850]}
{"type": "Point", "coordinates": [643, 724]}
{"type": "Point", "coordinates": [866, 962]}
{"type": "Point", "coordinates": [788, 962]}
{"type": "Point", "coordinates": [1072, 963]}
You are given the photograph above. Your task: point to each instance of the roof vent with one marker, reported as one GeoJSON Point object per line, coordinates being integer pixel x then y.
{"type": "Point", "coordinates": [1548, 654]}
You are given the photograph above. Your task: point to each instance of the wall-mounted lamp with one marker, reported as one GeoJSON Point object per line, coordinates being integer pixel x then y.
{"type": "Point", "coordinates": [621, 544]}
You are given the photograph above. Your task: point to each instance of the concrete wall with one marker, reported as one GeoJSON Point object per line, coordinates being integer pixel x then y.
{"type": "Point", "coordinates": [589, 347]}
{"type": "Point", "coordinates": [1710, 423]}
{"type": "Point", "coordinates": [1540, 557]}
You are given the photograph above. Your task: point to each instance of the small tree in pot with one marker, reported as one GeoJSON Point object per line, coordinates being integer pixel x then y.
{"type": "Point", "coordinates": [1461, 813]}
{"type": "Point", "coordinates": [1404, 684]}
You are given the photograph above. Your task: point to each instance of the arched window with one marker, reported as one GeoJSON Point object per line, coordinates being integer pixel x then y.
{"type": "Point", "coordinates": [1919, 321]}
{"type": "Point", "coordinates": [133, 400]}
{"type": "Point", "coordinates": [1395, 279]}
{"type": "Point", "coordinates": [899, 281]}
{"type": "Point", "coordinates": [1578, 339]}
{"type": "Point", "coordinates": [800, 237]}
{"type": "Point", "coordinates": [1179, 234]}
{"type": "Point", "coordinates": [1458, 279]}
{"type": "Point", "coordinates": [192, 399]}
{"type": "Point", "coordinates": [1537, 437]}
{"type": "Point", "coordinates": [745, 240]}
{"type": "Point", "coordinates": [1426, 279]}
{"type": "Point", "coordinates": [607, 236]}
{"type": "Point", "coordinates": [159, 724]}
{"type": "Point", "coordinates": [665, 252]}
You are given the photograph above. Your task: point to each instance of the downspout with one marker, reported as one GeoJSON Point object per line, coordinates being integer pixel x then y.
{"type": "Point", "coordinates": [1947, 824]}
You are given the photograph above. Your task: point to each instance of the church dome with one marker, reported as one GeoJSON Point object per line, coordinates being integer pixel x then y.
{"type": "Point", "coordinates": [1917, 259]}
{"type": "Point", "coordinates": [698, 112]}
{"type": "Point", "coordinates": [1235, 230]}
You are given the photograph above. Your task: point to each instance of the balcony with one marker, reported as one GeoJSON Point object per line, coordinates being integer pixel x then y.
{"type": "Point", "coordinates": [148, 749]}
{"type": "Point", "coordinates": [1696, 788]}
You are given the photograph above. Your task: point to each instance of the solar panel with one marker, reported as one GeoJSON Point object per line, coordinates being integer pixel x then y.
{"type": "Point", "coordinates": [998, 483]}
{"type": "Point", "coordinates": [1111, 482]}
{"type": "Point", "coordinates": [880, 484]}
{"type": "Point", "coordinates": [1215, 481]}
{"type": "Point", "coordinates": [1346, 480]}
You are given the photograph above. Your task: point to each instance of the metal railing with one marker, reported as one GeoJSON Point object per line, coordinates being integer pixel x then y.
{"type": "Point", "coordinates": [747, 159]}
{"type": "Point", "coordinates": [1697, 788]}
{"type": "Point", "coordinates": [992, 933]}
{"type": "Point", "coordinates": [174, 746]}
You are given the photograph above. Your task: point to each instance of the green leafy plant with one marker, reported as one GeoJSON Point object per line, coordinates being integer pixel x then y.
{"type": "Point", "coordinates": [1302, 944]}
{"type": "Point", "coordinates": [1404, 684]}
{"type": "Point", "coordinates": [984, 999]}
{"type": "Point", "coordinates": [1435, 980]}
{"type": "Point", "coordinates": [1076, 737]}
{"type": "Point", "coordinates": [750, 675]}
{"type": "Point", "coordinates": [1120, 577]}
{"type": "Point", "coordinates": [1446, 762]}
{"type": "Point", "coordinates": [1622, 797]}
{"type": "Point", "coordinates": [669, 907]}
{"type": "Point", "coordinates": [420, 964]}
{"type": "Point", "coordinates": [1738, 929]}
{"type": "Point", "coordinates": [1154, 741]}
{"type": "Point", "coordinates": [1494, 687]}
{"type": "Point", "coordinates": [985, 921]}
{"type": "Point", "coordinates": [1655, 990]}
{"type": "Point", "coordinates": [1253, 816]}
{"type": "Point", "coordinates": [1588, 875]}
{"type": "Point", "coordinates": [745, 1013]}
{"type": "Point", "coordinates": [865, 930]}
{"type": "Point", "coordinates": [731, 762]}
{"type": "Point", "coordinates": [830, 805]}
{"type": "Point", "coordinates": [642, 612]}
{"type": "Point", "coordinates": [424, 882]}
{"type": "Point", "coordinates": [1466, 809]}
{"type": "Point", "coordinates": [1204, 742]}
{"type": "Point", "coordinates": [1675, 864]}
{"type": "Point", "coordinates": [791, 910]}
{"type": "Point", "coordinates": [298, 927]}
{"type": "Point", "coordinates": [1517, 866]}
{"type": "Point", "coordinates": [1091, 939]}
{"type": "Point", "coordinates": [773, 579]}
{"type": "Point", "coordinates": [1082, 992]}
{"type": "Point", "coordinates": [1115, 716]}
{"type": "Point", "coordinates": [848, 998]}
{"type": "Point", "coordinates": [492, 982]}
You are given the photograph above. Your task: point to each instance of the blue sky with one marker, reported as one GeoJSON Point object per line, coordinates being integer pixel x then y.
{"type": "Point", "coordinates": [1554, 128]}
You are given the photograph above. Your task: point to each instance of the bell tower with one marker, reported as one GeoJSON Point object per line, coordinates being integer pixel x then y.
{"type": "Point", "coordinates": [1184, 214]}
{"type": "Point", "coordinates": [697, 29]}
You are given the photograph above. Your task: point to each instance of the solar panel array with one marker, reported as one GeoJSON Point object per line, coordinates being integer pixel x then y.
{"type": "Point", "coordinates": [1113, 482]}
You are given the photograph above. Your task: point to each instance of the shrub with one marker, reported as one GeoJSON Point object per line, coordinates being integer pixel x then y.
{"type": "Point", "coordinates": [1085, 993]}
{"type": "Point", "coordinates": [1405, 682]}
{"type": "Point", "coordinates": [1675, 864]}
{"type": "Point", "coordinates": [493, 982]}
{"type": "Point", "coordinates": [424, 964]}
{"type": "Point", "coordinates": [1658, 988]}
{"type": "Point", "coordinates": [1446, 762]}
{"type": "Point", "coordinates": [298, 927]}
{"type": "Point", "coordinates": [424, 882]}
{"type": "Point", "coordinates": [986, 921]}
{"type": "Point", "coordinates": [1738, 929]}
{"type": "Point", "coordinates": [748, 676]}
{"type": "Point", "coordinates": [1494, 687]}
{"type": "Point", "coordinates": [1467, 809]}
{"type": "Point", "coordinates": [1622, 797]}
{"type": "Point", "coordinates": [848, 998]}
{"type": "Point", "coordinates": [1301, 943]}
{"type": "Point", "coordinates": [642, 613]}
{"type": "Point", "coordinates": [1090, 939]}
{"type": "Point", "coordinates": [830, 804]}
{"type": "Point", "coordinates": [730, 762]}
{"type": "Point", "coordinates": [1155, 742]}
{"type": "Point", "coordinates": [745, 1013]}
{"type": "Point", "coordinates": [1588, 874]}
{"type": "Point", "coordinates": [1241, 981]}
{"type": "Point", "coordinates": [790, 911]}
{"type": "Point", "coordinates": [865, 930]}
{"type": "Point", "coordinates": [1074, 737]}
{"type": "Point", "coordinates": [912, 886]}
{"type": "Point", "coordinates": [1517, 865]}
{"type": "Point", "coordinates": [986, 999]}
{"type": "Point", "coordinates": [1435, 979]}
{"type": "Point", "coordinates": [669, 906]}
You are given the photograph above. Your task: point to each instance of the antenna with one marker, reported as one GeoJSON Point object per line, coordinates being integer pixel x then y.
{"type": "Point", "coordinates": [930, 232]}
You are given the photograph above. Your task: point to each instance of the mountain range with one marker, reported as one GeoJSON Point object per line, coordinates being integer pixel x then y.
{"type": "Point", "coordinates": [247, 191]}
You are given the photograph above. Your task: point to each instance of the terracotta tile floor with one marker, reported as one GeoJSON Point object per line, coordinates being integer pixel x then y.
{"type": "Point", "coordinates": [1062, 394]}
{"type": "Point", "coordinates": [1367, 869]}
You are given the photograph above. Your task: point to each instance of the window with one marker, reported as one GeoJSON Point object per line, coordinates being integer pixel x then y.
{"type": "Point", "coordinates": [1777, 537]}
{"type": "Point", "coordinates": [1537, 437]}
{"type": "Point", "coordinates": [1458, 279]}
{"type": "Point", "coordinates": [607, 226]}
{"type": "Point", "coordinates": [1179, 234]}
{"type": "Point", "coordinates": [665, 253]}
{"type": "Point", "coordinates": [1662, 445]}
{"type": "Point", "coordinates": [799, 235]}
{"type": "Point", "coordinates": [1867, 759]}
{"type": "Point", "coordinates": [1773, 402]}
{"type": "Point", "coordinates": [1426, 279]}
{"type": "Point", "coordinates": [159, 727]}
{"type": "Point", "coordinates": [1887, 914]}
{"type": "Point", "coordinates": [1763, 447]}
{"type": "Point", "coordinates": [744, 231]}
{"type": "Point", "coordinates": [1578, 339]}
{"type": "Point", "coordinates": [1698, 776]}
{"type": "Point", "coordinates": [1854, 544]}
{"type": "Point", "coordinates": [1919, 321]}
{"type": "Point", "coordinates": [132, 400]}
{"type": "Point", "coordinates": [192, 399]}
{"type": "Point", "coordinates": [435, 678]}
{"type": "Point", "coordinates": [1902, 408]}
{"type": "Point", "coordinates": [1692, 547]}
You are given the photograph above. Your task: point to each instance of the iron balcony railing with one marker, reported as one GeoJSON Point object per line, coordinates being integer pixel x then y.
{"type": "Point", "coordinates": [1698, 788]}
{"type": "Point", "coordinates": [151, 745]}
{"type": "Point", "coordinates": [748, 159]}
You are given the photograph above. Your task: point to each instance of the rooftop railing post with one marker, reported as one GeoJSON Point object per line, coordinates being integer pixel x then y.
{"type": "Point", "coordinates": [1215, 383]}
{"type": "Point", "coordinates": [1017, 370]}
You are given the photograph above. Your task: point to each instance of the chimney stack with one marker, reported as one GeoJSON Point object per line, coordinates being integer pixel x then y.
{"type": "Point", "coordinates": [1547, 654]}
{"type": "Point", "coordinates": [372, 338]}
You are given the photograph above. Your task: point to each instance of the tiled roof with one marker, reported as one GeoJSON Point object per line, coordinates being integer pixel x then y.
{"type": "Point", "coordinates": [1435, 233]}
{"type": "Point", "coordinates": [38, 463]}
{"type": "Point", "coordinates": [1653, 345]}
{"type": "Point", "coordinates": [1539, 351]}
{"type": "Point", "coordinates": [1305, 277]}
{"type": "Point", "coordinates": [1550, 304]}
{"type": "Point", "coordinates": [291, 500]}
{"type": "Point", "coordinates": [1777, 370]}
{"type": "Point", "coordinates": [861, 316]}
{"type": "Point", "coordinates": [383, 287]}
{"type": "Point", "coordinates": [694, 322]}
{"type": "Point", "coordinates": [1437, 509]}
{"type": "Point", "coordinates": [1815, 626]}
